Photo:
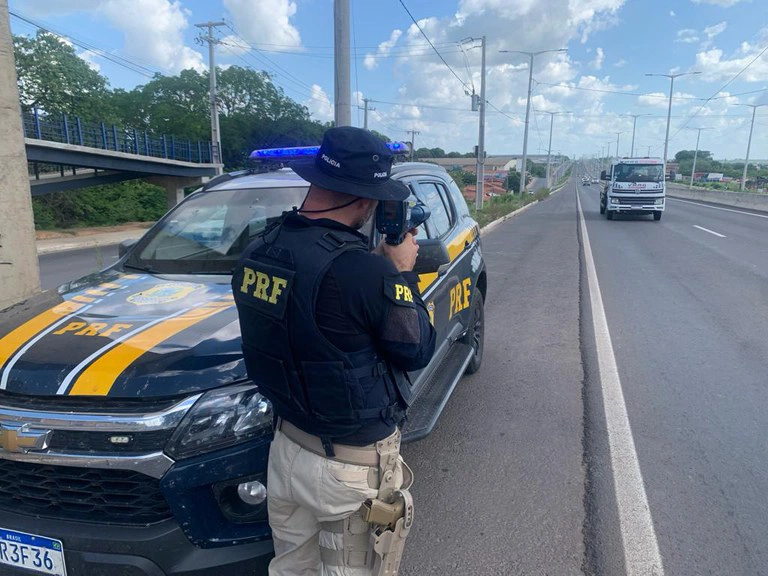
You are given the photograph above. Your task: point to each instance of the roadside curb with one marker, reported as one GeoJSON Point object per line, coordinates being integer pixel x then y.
{"type": "Point", "coordinates": [491, 225]}
{"type": "Point", "coordinates": [96, 241]}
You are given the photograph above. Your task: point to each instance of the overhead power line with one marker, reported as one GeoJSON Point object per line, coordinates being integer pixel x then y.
{"type": "Point", "coordinates": [127, 63]}
{"type": "Point", "coordinates": [739, 73]}
{"type": "Point", "coordinates": [466, 87]}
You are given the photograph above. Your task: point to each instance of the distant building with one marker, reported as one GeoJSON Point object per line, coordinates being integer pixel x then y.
{"type": "Point", "coordinates": [714, 177]}
{"type": "Point", "coordinates": [495, 164]}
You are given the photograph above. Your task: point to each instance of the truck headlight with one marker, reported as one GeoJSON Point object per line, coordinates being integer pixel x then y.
{"type": "Point", "coordinates": [614, 200]}
{"type": "Point", "coordinates": [220, 419]}
{"type": "Point", "coordinates": [659, 201]}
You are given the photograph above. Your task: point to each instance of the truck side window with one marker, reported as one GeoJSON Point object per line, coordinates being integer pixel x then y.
{"type": "Point", "coordinates": [435, 196]}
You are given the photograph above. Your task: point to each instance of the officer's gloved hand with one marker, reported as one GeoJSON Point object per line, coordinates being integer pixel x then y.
{"type": "Point", "coordinates": [403, 256]}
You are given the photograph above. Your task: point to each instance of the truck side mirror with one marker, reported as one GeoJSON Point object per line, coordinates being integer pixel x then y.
{"type": "Point", "coordinates": [603, 175]}
{"type": "Point", "coordinates": [433, 256]}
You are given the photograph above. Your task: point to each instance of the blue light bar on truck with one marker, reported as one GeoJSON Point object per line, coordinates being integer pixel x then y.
{"type": "Point", "coordinates": [296, 152]}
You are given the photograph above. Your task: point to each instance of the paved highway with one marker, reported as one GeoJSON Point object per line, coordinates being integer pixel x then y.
{"type": "Point", "coordinates": [525, 474]}
{"type": "Point", "coordinates": [60, 267]}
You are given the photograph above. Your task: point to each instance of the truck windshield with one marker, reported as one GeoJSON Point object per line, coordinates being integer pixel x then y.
{"type": "Point", "coordinates": [638, 172]}
{"type": "Point", "coordinates": [207, 232]}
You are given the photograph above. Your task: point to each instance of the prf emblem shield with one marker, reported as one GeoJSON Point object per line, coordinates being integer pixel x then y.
{"type": "Point", "coordinates": [263, 287]}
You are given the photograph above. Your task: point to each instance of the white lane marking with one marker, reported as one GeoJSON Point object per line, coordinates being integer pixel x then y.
{"type": "Point", "coordinates": [33, 341]}
{"type": "Point", "coordinates": [641, 548]}
{"type": "Point", "coordinates": [710, 231]}
{"type": "Point", "coordinates": [77, 369]}
{"type": "Point", "coordinates": [719, 208]}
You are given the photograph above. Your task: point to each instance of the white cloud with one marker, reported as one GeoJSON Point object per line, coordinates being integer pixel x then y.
{"type": "Point", "coordinates": [597, 63]}
{"type": "Point", "coordinates": [721, 3]}
{"type": "Point", "coordinates": [319, 105]}
{"type": "Point", "coordinates": [371, 60]}
{"type": "Point", "coordinates": [620, 63]}
{"type": "Point", "coordinates": [233, 46]}
{"type": "Point", "coordinates": [661, 99]}
{"type": "Point", "coordinates": [265, 21]}
{"type": "Point", "coordinates": [717, 29]}
{"type": "Point", "coordinates": [88, 56]}
{"type": "Point", "coordinates": [672, 13]}
{"type": "Point", "coordinates": [687, 36]}
{"type": "Point", "coordinates": [152, 31]}
{"type": "Point", "coordinates": [715, 66]}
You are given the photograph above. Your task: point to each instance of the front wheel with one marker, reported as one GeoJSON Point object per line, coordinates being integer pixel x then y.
{"type": "Point", "coordinates": [475, 336]}
{"type": "Point", "coordinates": [602, 208]}
{"type": "Point", "coordinates": [657, 215]}
{"type": "Point", "coordinates": [609, 214]}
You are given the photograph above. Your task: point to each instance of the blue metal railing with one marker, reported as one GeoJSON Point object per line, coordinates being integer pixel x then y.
{"type": "Point", "coordinates": [72, 130]}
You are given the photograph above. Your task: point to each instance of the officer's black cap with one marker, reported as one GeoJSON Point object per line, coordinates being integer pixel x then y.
{"type": "Point", "coordinates": [355, 162]}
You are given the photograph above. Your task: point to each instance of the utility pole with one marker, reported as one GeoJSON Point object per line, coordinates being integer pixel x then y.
{"type": "Point", "coordinates": [695, 154]}
{"type": "Point", "coordinates": [480, 167]}
{"type": "Point", "coordinates": [669, 110]}
{"type": "Point", "coordinates": [531, 56]}
{"type": "Point", "coordinates": [365, 112]}
{"type": "Point", "coordinates": [215, 130]}
{"type": "Point", "coordinates": [19, 273]}
{"type": "Point", "coordinates": [413, 141]}
{"type": "Point", "coordinates": [749, 144]}
{"type": "Point", "coordinates": [341, 57]}
{"type": "Point", "coordinates": [618, 134]}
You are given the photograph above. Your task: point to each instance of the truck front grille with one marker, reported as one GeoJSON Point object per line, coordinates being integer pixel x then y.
{"type": "Point", "coordinates": [636, 200]}
{"type": "Point", "coordinates": [84, 494]}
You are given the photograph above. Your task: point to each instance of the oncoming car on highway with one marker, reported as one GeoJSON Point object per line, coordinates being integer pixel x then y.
{"type": "Point", "coordinates": [131, 441]}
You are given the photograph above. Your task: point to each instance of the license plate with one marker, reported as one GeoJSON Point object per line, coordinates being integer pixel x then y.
{"type": "Point", "coordinates": [36, 553]}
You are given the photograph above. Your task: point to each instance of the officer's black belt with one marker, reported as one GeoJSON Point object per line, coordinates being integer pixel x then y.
{"type": "Point", "coordinates": [359, 455]}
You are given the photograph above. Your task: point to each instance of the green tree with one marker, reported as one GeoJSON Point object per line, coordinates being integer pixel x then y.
{"type": "Point", "coordinates": [513, 181]}
{"type": "Point", "coordinates": [53, 79]}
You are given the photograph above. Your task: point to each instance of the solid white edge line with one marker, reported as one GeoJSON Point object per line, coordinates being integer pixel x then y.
{"type": "Point", "coordinates": [641, 548]}
{"type": "Point", "coordinates": [710, 231]}
{"type": "Point", "coordinates": [719, 208]}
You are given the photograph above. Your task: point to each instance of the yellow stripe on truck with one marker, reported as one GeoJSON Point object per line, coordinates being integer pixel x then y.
{"type": "Point", "coordinates": [15, 339]}
{"type": "Point", "coordinates": [99, 377]}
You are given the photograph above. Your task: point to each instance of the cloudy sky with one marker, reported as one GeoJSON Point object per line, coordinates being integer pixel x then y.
{"type": "Point", "coordinates": [595, 85]}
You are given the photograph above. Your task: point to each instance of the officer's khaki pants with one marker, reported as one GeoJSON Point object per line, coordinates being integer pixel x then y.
{"type": "Point", "coordinates": [308, 493]}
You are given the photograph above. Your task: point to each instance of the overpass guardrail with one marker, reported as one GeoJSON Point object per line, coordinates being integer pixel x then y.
{"type": "Point", "coordinates": [73, 130]}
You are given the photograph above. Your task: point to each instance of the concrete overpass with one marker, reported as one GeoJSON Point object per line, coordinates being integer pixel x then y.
{"type": "Point", "coordinates": [91, 154]}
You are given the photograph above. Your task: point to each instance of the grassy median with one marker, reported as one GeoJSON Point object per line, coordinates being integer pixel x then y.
{"type": "Point", "coordinates": [499, 206]}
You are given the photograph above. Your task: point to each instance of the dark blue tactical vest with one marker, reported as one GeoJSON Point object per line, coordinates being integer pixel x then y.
{"type": "Point", "coordinates": [310, 382]}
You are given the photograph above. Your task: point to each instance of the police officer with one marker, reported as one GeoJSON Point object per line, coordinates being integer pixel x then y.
{"type": "Point", "coordinates": [329, 331]}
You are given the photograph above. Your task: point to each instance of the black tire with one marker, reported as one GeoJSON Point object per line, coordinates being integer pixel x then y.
{"type": "Point", "coordinates": [609, 214]}
{"type": "Point", "coordinates": [657, 215]}
{"type": "Point", "coordinates": [475, 336]}
{"type": "Point", "coordinates": [602, 208]}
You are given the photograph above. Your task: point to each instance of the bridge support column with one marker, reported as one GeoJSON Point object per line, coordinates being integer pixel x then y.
{"type": "Point", "coordinates": [174, 186]}
{"type": "Point", "coordinates": [19, 273]}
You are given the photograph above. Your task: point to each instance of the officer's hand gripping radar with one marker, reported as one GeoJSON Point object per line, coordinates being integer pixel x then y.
{"type": "Point", "coordinates": [394, 219]}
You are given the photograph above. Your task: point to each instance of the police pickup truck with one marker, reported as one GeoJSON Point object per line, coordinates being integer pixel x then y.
{"type": "Point", "coordinates": [131, 441]}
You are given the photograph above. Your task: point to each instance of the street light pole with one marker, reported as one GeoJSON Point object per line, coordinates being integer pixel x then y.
{"type": "Point", "coordinates": [480, 167]}
{"type": "Point", "coordinates": [669, 110]}
{"type": "Point", "coordinates": [695, 154]}
{"type": "Point", "coordinates": [549, 150]}
{"type": "Point", "coordinates": [618, 134]}
{"type": "Point", "coordinates": [634, 127]}
{"type": "Point", "coordinates": [749, 145]}
{"type": "Point", "coordinates": [531, 56]}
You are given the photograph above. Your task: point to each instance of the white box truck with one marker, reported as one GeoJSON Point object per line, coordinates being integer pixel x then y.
{"type": "Point", "coordinates": [633, 186]}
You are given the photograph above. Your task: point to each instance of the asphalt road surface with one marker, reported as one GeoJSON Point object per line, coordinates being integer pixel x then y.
{"type": "Point", "coordinates": [60, 267]}
{"type": "Point", "coordinates": [527, 472]}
